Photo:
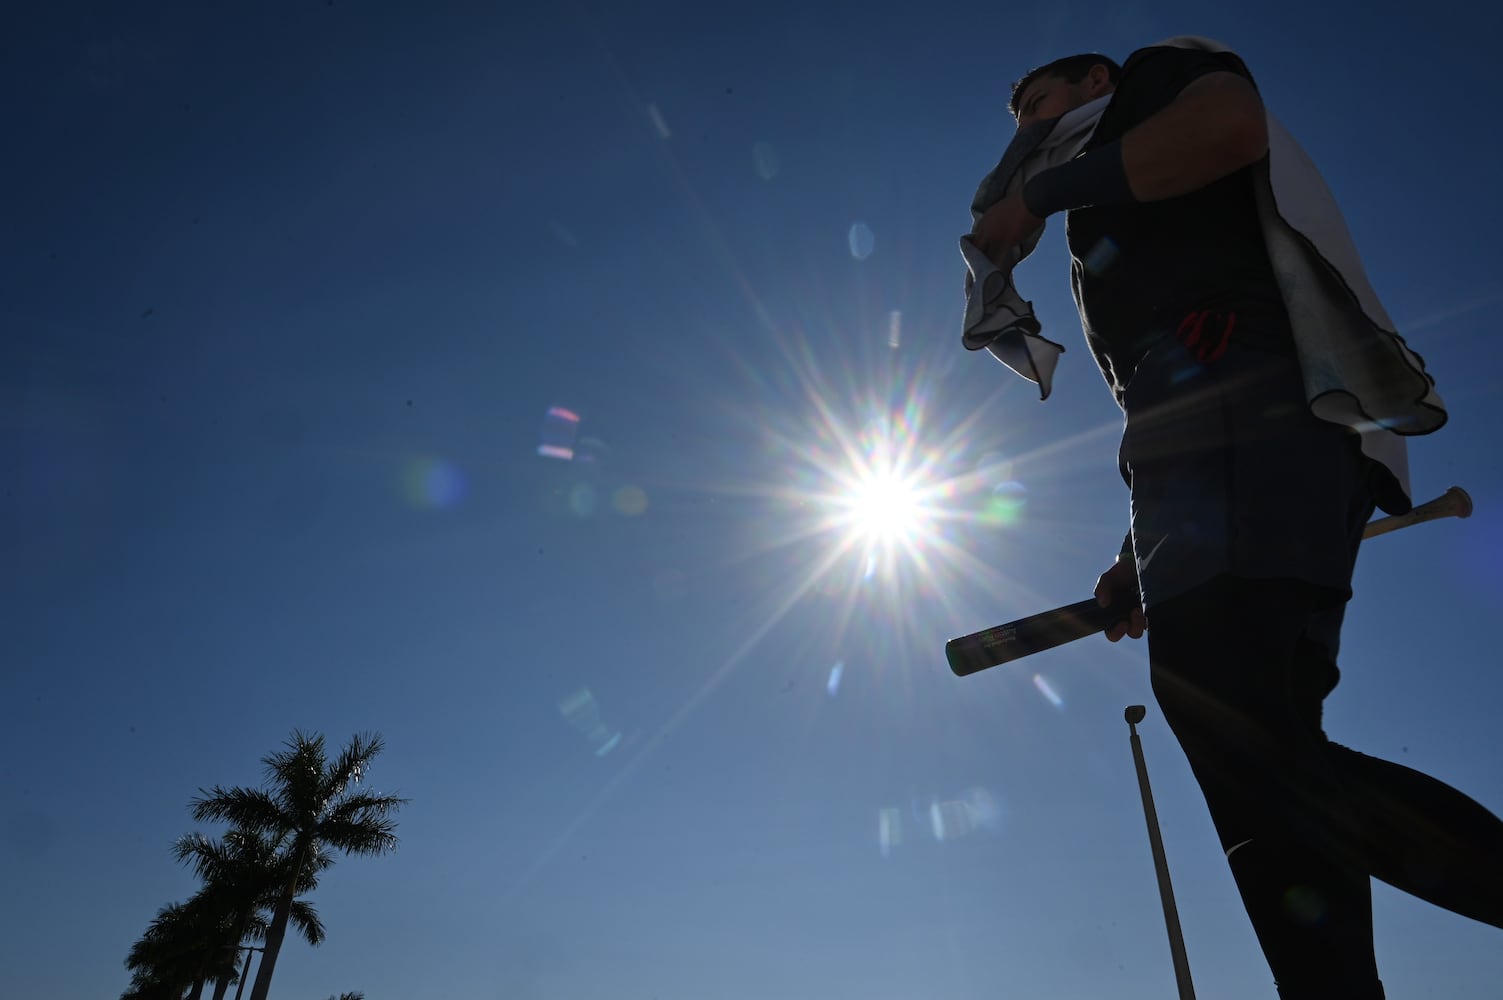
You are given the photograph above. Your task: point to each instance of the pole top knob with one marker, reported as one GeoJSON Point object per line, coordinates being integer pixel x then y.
{"type": "Point", "coordinates": [1134, 714]}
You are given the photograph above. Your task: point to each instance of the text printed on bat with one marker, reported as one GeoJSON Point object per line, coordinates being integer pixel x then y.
{"type": "Point", "coordinates": [998, 636]}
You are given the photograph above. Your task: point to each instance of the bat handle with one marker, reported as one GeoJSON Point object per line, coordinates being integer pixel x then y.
{"type": "Point", "coordinates": [1016, 640]}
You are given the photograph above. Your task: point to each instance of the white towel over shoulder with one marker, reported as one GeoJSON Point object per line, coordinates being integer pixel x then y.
{"type": "Point", "coordinates": [1358, 371]}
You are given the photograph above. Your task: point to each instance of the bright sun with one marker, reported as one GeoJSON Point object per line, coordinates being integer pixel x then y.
{"type": "Point", "coordinates": [875, 492]}
{"type": "Point", "coordinates": [885, 507]}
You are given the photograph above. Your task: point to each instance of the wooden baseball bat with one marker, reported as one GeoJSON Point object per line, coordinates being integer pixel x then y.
{"type": "Point", "coordinates": [1047, 629]}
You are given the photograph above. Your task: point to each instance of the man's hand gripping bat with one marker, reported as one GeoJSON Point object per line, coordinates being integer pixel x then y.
{"type": "Point", "coordinates": [1004, 643]}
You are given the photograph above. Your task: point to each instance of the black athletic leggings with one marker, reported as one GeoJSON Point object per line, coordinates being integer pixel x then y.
{"type": "Point", "coordinates": [1240, 674]}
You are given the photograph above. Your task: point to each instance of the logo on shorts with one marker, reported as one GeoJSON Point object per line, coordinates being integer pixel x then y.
{"type": "Point", "coordinates": [1143, 563]}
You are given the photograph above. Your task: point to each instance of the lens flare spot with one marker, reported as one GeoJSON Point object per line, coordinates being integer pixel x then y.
{"type": "Point", "coordinates": [1005, 504]}
{"type": "Point", "coordinates": [894, 328]}
{"type": "Point", "coordinates": [1304, 904]}
{"type": "Point", "coordinates": [1047, 690]}
{"type": "Point", "coordinates": [889, 829]}
{"type": "Point", "coordinates": [949, 820]}
{"type": "Point", "coordinates": [629, 500]}
{"type": "Point", "coordinates": [1101, 256]}
{"type": "Point", "coordinates": [560, 428]}
{"type": "Point", "coordinates": [766, 159]}
{"type": "Point", "coordinates": [976, 810]}
{"type": "Point", "coordinates": [1185, 373]}
{"type": "Point", "coordinates": [833, 684]}
{"type": "Point", "coordinates": [582, 499]}
{"type": "Point", "coordinates": [582, 712]}
{"type": "Point", "coordinates": [861, 240]}
{"type": "Point", "coordinates": [986, 810]}
{"type": "Point", "coordinates": [433, 484]}
{"type": "Point", "coordinates": [658, 123]}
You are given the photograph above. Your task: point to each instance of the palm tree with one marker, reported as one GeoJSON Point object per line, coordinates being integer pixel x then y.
{"type": "Point", "coordinates": [313, 806]}
{"type": "Point", "coordinates": [183, 947]}
{"type": "Point", "coordinates": [243, 874]}
{"type": "Point", "coordinates": [160, 963]}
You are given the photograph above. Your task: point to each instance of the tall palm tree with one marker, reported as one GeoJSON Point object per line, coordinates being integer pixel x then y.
{"type": "Point", "coordinates": [243, 874]}
{"type": "Point", "coordinates": [312, 806]}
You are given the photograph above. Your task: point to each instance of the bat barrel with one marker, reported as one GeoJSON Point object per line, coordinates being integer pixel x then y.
{"type": "Point", "coordinates": [1462, 501]}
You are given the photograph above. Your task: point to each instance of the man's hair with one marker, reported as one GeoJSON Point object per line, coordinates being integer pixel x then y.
{"type": "Point", "coordinates": [1072, 69]}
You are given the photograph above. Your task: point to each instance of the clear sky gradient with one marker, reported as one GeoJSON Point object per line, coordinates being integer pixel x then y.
{"type": "Point", "coordinates": [497, 379]}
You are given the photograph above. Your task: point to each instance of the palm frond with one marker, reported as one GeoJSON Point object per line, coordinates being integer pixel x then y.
{"type": "Point", "coordinates": [361, 824]}
{"type": "Point", "coordinates": [210, 859]}
{"type": "Point", "coordinates": [360, 806]}
{"type": "Point", "coordinates": [350, 767]}
{"type": "Point", "coordinates": [320, 859]}
{"type": "Point", "coordinates": [247, 808]}
{"type": "Point", "coordinates": [184, 943]}
{"type": "Point", "coordinates": [150, 986]}
{"type": "Point", "coordinates": [255, 927]}
{"type": "Point", "coordinates": [365, 835]}
{"type": "Point", "coordinates": [296, 774]}
{"type": "Point", "coordinates": [305, 918]}
{"type": "Point", "coordinates": [172, 934]}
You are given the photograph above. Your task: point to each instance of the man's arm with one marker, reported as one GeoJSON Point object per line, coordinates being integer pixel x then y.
{"type": "Point", "coordinates": [1214, 127]}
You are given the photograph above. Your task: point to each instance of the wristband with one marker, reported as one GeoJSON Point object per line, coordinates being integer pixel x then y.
{"type": "Point", "coordinates": [1097, 178]}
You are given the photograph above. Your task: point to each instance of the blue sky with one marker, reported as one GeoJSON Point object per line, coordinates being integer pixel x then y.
{"type": "Point", "coordinates": [295, 295]}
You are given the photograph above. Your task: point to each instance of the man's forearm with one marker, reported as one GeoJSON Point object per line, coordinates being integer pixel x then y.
{"type": "Point", "coordinates": [1215, 127]}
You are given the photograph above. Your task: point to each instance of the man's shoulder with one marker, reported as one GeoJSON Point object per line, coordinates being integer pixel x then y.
{"type": "Point", "coordinates": [1170, 63]}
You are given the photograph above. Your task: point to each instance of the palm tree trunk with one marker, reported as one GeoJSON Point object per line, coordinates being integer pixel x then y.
{"type": "Point", "coordinates": [222, 986]}
{"type": "Point", "coordinates": [278, 928]}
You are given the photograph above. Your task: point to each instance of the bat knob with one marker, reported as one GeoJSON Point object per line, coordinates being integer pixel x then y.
{"type": "Point", "coordinates": [1134, 714]}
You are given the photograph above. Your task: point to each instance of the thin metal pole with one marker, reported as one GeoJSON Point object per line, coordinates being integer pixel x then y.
{"type": "Point", "coordinates": [1134, 715]}
{"type": "Point", "coordinates": [246, 971]}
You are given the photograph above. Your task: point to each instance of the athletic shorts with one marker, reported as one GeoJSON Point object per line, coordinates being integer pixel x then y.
{"type": "Point", "coordinates": [1231, 474]}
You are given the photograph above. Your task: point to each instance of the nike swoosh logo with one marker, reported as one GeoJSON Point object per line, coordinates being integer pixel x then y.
{"type": "Point", "coordinates": [1142, 563]}
{"type": "Point", "coordinates": [1234, 847]}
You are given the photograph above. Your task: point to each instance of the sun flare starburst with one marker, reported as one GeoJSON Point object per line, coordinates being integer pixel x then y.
{"type": "Point", "coordinates": [873, 478]}
{"type": "Point", "coordinates": [886, 507]}
{"type": "Point", "coordinates": [883, 507]}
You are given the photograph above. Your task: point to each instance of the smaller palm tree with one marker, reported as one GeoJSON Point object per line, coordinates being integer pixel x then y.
{"type": "Point", "coordinates": [313, 806]}
{"type": "Point", "coordinates": [183, 947]}
{"type": "Point", "coordinates": [243, 873]}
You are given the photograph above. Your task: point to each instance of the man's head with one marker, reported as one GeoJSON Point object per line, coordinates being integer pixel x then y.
{"type": "Point", "coordinates": [1061, 86]}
